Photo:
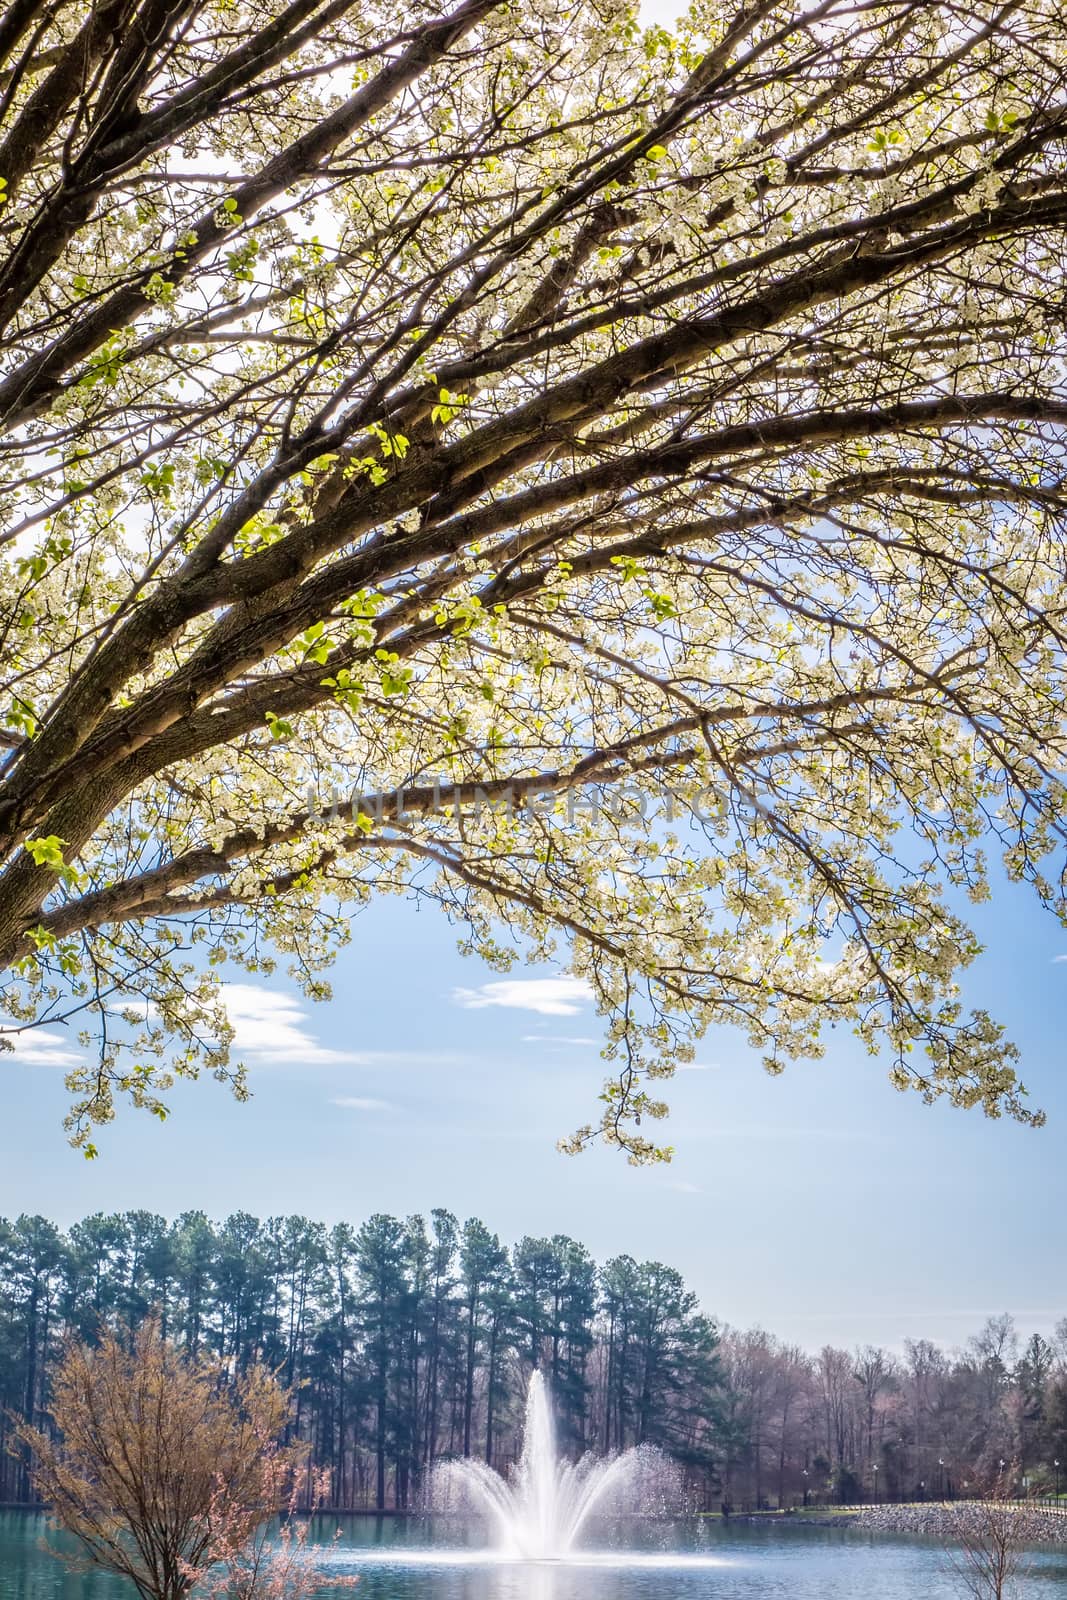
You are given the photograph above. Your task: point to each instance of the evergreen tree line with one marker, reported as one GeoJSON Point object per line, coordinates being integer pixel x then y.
{"type": "Point", "coordinates": [403, 1341]}
{"type": "Point", "coordinates": [407, 1340]}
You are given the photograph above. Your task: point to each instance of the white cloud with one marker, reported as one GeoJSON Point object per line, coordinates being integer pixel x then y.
{"type": "Point", "coordinates": [681, 1187]}
{"type": "Point", "coordinates": [1057, 959]}
{"type": "Point", "coordinates": [558, 1038]}
{"type": "Point", "coordinates": [697, 1066]}
{"type": "Point", "coordinates": [551, 997]}
{"type": "Point", "coordinates": [36, 1047]}
{"type": "Point", "coordinates": [408, 1058]}
{"type": "Point", "coordinates": [271, 1027]}
{"type": "Point", "coordinates": [356, 1102]}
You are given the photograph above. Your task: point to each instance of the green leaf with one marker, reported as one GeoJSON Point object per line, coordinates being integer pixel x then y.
{"type": "Point", "coordinates": [47, 851]}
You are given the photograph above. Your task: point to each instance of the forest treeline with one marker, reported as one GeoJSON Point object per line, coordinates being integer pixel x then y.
{"type": "Point", "coordinates": [409, 1340]}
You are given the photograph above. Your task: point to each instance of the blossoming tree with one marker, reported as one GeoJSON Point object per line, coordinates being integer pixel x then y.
{"type": "Point", "coordinates": [655, 437]}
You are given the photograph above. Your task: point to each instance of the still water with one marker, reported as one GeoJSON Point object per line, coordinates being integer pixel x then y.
{"type": "Point", "coordinates": [402, 1560]}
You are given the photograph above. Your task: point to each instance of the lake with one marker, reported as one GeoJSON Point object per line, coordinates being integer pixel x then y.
{"type": "Point", "coordinates": [398, 1559]}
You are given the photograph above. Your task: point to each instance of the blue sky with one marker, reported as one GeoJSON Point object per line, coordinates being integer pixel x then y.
{"type": "Point", "coordinates": [822, 1204]}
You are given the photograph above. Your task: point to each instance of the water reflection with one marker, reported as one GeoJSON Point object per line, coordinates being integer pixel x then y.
{"type": "Point", "coordinates": [402, 1560]}
{"type": "Point", "coordinates": [719, 1564]}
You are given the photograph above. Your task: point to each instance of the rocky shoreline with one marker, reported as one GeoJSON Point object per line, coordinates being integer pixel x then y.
{"type": "Point", "coordinates": [1035, 1524]}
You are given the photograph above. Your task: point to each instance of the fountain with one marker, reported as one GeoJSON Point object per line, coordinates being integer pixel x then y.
{"type": "Point", "coordinates": [538, 1514]}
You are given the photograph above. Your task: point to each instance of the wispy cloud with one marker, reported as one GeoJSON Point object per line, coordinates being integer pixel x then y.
{"type": "Point", "coordinates": [1057, 959]}
{"type": "Point", "coordinates": [559, 1038]}
{"type": "Point", "coordinates": [681, 1187]}
{"type": "Point", "coordinates": [551, 997]}
{"type": "Point", "coordinates": [271, 1027]}
{"type": "Point", "coordinates": [407, 1058]}
{"type": "Point", "coordinates": [697, 1066]}
{"type": "Point", "coordinates": [357, 1102]}
{"type": "Point", "coordinates": [36, 1047]}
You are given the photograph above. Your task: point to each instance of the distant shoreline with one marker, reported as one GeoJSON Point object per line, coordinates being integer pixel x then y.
{"type": "Point", "coordinates": [1036, 1524]}
{"type": "Point", "coordinates": [1039, 1524]}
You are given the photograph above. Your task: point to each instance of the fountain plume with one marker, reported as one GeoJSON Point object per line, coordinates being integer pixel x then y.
{"type": "Point", "coordinates": [539, 1513]}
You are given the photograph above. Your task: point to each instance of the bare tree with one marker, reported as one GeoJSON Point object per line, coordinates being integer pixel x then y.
{"type": "Point", "coordinates": [833, 1371]}
{"type": "Point", "coordinates": [987, 1541]}
{"type": "Point", "coordinates": [989, 1536]}
{"type": "Point", "coordinates": [875, 1374]}
{"type": "Point", "coordinates": [164, 1467]}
